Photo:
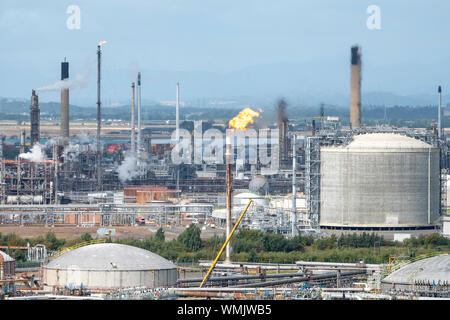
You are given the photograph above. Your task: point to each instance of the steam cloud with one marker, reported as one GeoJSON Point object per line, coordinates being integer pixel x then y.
{"type": "Point", "coordinates": [78, 81]}
{"type": "Point", "coordinates": [36, 154]}
{"type": "Point", "coordinates": [128, 168]}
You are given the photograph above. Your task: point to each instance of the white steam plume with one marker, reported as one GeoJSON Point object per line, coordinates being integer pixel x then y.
{"type": "Point", "coordinates": [128, 168]}
{"type": "Point", "coordinates": [78, 81]}
{"type": "Point", "coordinates": [35, 155]}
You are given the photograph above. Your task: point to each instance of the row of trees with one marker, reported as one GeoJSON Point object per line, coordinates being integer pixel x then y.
{"type": "Point", "coordinates": [256, 246]}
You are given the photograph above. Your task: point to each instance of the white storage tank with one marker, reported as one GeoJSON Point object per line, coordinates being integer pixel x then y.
{"type": "Point", "coordinates": [381, 181]}
{"type": "Point", "coordinates": [109, 266]}
{"type": "Point", "coordinates": [242, 199]}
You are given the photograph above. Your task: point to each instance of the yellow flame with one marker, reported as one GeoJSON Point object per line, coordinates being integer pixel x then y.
{"type": "Point", "coordinates": [101, 42]}
{"type": "Point", "coordinates": [243, 119]}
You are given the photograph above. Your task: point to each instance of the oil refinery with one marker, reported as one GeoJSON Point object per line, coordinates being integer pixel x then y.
{"type": "Point", "coordinates": [318, 178]}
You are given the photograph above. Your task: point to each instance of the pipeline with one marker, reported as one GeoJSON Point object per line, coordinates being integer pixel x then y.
{"type": "Point", "coordinates": [328, 275]}
{"type": "Point", "coordinates": [242, 277]}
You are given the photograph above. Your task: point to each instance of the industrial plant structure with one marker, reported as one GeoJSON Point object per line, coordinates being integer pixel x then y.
{"type": "Point", "coordinates": [352, 178]}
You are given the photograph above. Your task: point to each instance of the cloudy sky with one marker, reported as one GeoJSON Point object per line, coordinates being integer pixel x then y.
{"type": "Point", "coordinates": [219, 48]}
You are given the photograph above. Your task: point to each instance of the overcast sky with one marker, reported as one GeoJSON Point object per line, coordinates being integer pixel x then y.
{"type": "Point", "coordinates": [410, 53]}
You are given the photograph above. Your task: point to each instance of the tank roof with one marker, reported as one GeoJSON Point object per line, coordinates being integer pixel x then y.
{"type": "Point", "coordinates": [430, 269]}
{"type": "Point", "coordinates": [383, 141]}
{"type": "Point", "coordinates": [110, 257]}
{"type": "Point", "coordinates": [6, 258]}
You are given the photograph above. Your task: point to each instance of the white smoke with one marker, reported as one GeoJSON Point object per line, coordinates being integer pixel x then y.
{"type": "Point", "coordinates": [258, 184]}
{"type": "Point", "coordinates": [78, 81]}
{"type": "Point", "coordinates": [35, 155]}
{"type": "Point", "coordinates": [71, 152]}
{"type": "Point", "coordinates": [128, 169]}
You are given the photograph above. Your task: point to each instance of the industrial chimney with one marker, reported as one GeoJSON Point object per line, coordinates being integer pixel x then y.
{"type": "Point", "coordinates": [439, 112]}
{"type": "Point", "coordinates": [133, 129]}
{"type": "Point", "coordinates": [355, 87]}
{"type": "Point", "coordinates": [139, 137]}
{"type": "Point", "coordinates": [99, 117]}
{"type": "Point", "coordinates": [35, 115]}
{"type": "Point", "coordinates": [65, 103]}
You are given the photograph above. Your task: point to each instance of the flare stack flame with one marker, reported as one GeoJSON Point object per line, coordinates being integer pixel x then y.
{"type": "Point", "coordinates": [243, 119]}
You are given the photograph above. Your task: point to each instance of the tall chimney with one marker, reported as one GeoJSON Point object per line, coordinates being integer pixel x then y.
{"type": "Point", "coordinates": [34, 118]}
{"type": "Point", "coordinates": [64, 103]}
{"type": "Point", "coordinates": [99, 120]}
{"type": "Point", "coordinates": [439, 113]}
{"type": "Point", "coordinates": [133, 129]}
{"type": "Point", "coordinates": [139, 143]}
{"type": "Point", "coordinates": [355, 87]}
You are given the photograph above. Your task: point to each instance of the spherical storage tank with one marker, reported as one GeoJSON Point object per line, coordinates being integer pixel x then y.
{"type": "Point", "coordinates": [379, 180]}
{"type": "Point", "coordinates": [109, 266]}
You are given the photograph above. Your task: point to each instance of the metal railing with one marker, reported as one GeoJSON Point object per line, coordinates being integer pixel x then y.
{"type": "Point", "coordinates": [394, 266]}
{"type": "Point", "coordinates": [78, 245]}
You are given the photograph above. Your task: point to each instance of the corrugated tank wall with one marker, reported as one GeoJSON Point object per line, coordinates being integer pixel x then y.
{"type": "Point", "coordinates": [375, 188]}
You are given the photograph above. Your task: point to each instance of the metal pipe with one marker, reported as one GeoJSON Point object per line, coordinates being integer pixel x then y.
{"type": "Point", "coordinates": [133, 129]}
{"type": "Point", "coordinates": [266, 266]}
{"type": "Point", "coordinates": [55, 158]}
{"type": "Point", "coordinates": [242, 277]}
{"type": "Point", "coordinates": [225, 244]}
{"type": "Point", "coordinates": [339, 265]}
{"type": "Point", "coordinates": [22, 141]}
{"type": "Point", "coordinates": [228, 155]}
{"type": "Point", "coordinates": [328, 275]}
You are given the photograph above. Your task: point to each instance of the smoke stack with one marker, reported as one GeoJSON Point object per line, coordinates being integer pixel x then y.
{"type": "Point", "coordinates": [439, 113]}
{"type": "Point", "coordinates": [65, 103]}
{"type": "Point", "coordinates": [177, 112]}
{"type": "Point", "coordinates": [35, 115]}
{"type": "Point", "coordinates": [139, 143]}
{"type": "Point", "coordinates": [355, 87]}
{"type": "Point", "coordinates": [99, 118]}
{"type": "Point", "coordinates": [313, 128]}
{"type": "Point", "coordinates": [133, 129]}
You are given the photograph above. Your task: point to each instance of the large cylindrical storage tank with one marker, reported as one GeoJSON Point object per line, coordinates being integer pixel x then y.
{"type": "Point", "coordinates": [109, 266]}
{"type": "Point", "coordinates": [379, 180]}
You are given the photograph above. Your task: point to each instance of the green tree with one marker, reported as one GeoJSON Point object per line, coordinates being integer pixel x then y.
{"type": "Point", "coordinates": [86, 237]}
{"type": "Point", "coordinates": [160, 235]}
{"type": "Point", "coordinates": [190, 238]}
{"type": "Point", "coordinates": [51, 242]}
